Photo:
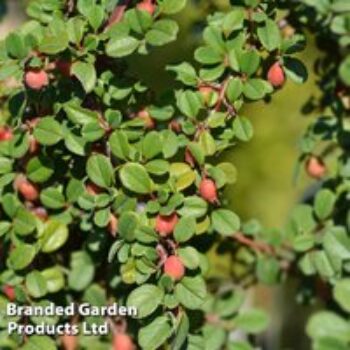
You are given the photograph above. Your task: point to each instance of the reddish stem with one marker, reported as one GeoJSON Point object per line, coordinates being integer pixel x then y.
{"type": "Point", "coordinates": [256, 246]}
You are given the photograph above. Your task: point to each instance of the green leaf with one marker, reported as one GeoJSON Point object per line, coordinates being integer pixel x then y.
{"type": "Point", "coordinates": [253, 321]}
{"type": "Point", "coordinates": [269, 35]}
{"type": "Point", "coordinates": [190, 257]}
{"type": "Point", "coordinates": [326, 323]}
{"type": "Point", "coordinates": [82, 271]}
{"type": "Point", "coordinates": [36, 284]}
{"type": "Point", "coordinates": [92, 131]}
{"type": "Point", "coordinates": [336, 243]}
{"type": "Point", "coordinates": [341, 293]}
{"type": "Point", "coordinates": [207, 55]}
{"type": "Point", "coordinates": [39, 342]}
{"type": "Point", "coordinates": [119, 144]}
{"type": "Point", "coordinates": [48, 131]}
{"type": "Point", "coordinates": [225, 222]}
{"type": "Point", "coordinates": [234, 89]}
{"type": "Point", "coordinates": [152, 336]}
{"type": "Point", "coordinates": [185, 73]}
{"type": "Point", "coordinates": [121, 46]}
{"type": "Point", "coordinates": [213, 37]}
{"type": "Point", "coordinates": [207, 142]}
{"type": "Point", "coordinates": [233, 21]}
{"type": "Point", "coordinates": [127, 225]}
{"type": "Point", "coordinates": [100, 171]}
{"type": "Point", "coordinates": [295, 70]}
{"type": "Point", "coordinates": [54, 279]}
{"type": "Point", "coordinates": [185, 229]}
{"type": "Point", "coordinates": [79, 115]}
{"type": "Point", "coordinates": [249, 62]}
{"type": "Point", "coordinates": [86, 74]}
{"type": "Point", "coordinates": [40, 169]}
{"type": "Point", "coordinates": [191, 292]}
{"type": "Point", "coordinates": [135, 178]}
{"type": "Point", "coordinates": [183, 175]}
{"type": "Point", "coordinates": [162, 32]}
{"type": "Point", "coordinates": [16, 46]}
{"type": "Point", "coordinates": [22, 256]}
{"type": "Point", "coordinates": [243, 129]}
{"type": "Point", "coordinates": [194, 206]}
{"type": "Point", "coordinates": [170, 7]}
{"type": "Point", "coordinates": [182, 331]}
{"type": "Point", "coordinates": [256, 89]}
{"type": "Point", "coordinates": [24, 222]}
{"type": "Point", "coordinates": [52, 198]}
{"type": "Point", "coordinates": [146, 299]}
{"type": "Point", "coordinates": [189, 103]}
{"type": "Point", "coordinates": [54, 236]}
{"type": "Point", "coordinates": [138, 21]}
{"type": "Point", "coordinates": [152, 145]}
{"type": "Point", "coordinates": [52, 44]}
{"type": "Point", "coordinates": [324, 203]}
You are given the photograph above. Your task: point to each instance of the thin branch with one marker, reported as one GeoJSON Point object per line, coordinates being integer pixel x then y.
{"type": "Point", "coordinates": [255, 245]}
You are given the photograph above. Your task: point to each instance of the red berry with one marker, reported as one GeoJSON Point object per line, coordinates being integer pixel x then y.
{"type": "Point", "coordinates": [113, 225]}
{"type": "Point", "coordinates": [69, 342]}
{"type": "Point", "coordinates": [174, 267]}
{"type": "Point", "coordinates": [208, 191]}
{"type": "Point", "coordinates": [36, 79]}
{"type": "Point", "coordinates": [165, 225]}
{"type": "Point", "coordinates": [276, 75]}
{"type": "Point", "coordinates": [9, 291]}
{"type": "Point", "coordinates": [147, 119]}
{"type": "Point", "coordinates": [64, 67]}
{"type": "Point", "coordinates": [29, 191]}
{"type": "Point", "coordinates": [122, 341]}
{"type": "Point", "coordinates": [315, 167]}
{"type": "Point", "coordinates": [146, 5]}
{"type": "Point", "coordinates": [5, 134]}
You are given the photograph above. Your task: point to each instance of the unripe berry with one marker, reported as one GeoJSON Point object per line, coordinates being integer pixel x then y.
{"type": "Point", "coordinates": [276, 75]}
{"type": "Point", "coordinates": [147, 119]}
{"type": "Point", "coordinates": [122, 341]}
{"type": "Point", "coordinates": [69, 342]}
{"type": "Point", "coordinates": [29, 191]}
{"type": "Point", "coordinates": [113, 225]}
{"type": "Point", "coordinates": [5, 134]}
{"type": "Point", "coordinates": [9, 291]}
{"type": "Point", "coordinates": [147, 5]}
{"type": "Point", "coordinates": [174, 268]}
{"type": "Point", "coordinates": [315, 167]}
{"type": "Point", "coordinates": [207, 93]}
{"type": "Point", "coordinates": [208, 191]}
{"type": "Point", "coordinates": [36, 79]}
{"type": "Point", "coordinates": [64, 67]}
{"type": "Point", "coordinates": [165, 225]}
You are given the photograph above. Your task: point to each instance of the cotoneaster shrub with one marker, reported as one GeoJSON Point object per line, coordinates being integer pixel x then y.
{"type": "Point", "coordinates": [112, 194]}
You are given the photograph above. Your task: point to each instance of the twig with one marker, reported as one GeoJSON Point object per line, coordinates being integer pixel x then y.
{"type": "Point", "coordinates": [257, 246]}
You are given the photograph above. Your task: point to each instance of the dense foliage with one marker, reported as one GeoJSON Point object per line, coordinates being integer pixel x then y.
{"type": "Point", "coordinates": [110, 193]}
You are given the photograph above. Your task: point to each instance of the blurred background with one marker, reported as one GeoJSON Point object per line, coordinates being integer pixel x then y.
{"type": "Point", "coordinates": [265, 189]}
